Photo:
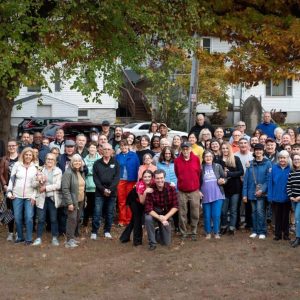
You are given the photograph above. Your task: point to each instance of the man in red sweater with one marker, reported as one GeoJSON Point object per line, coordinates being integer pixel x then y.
{"type": "Point", "coordinates": [188, 172]}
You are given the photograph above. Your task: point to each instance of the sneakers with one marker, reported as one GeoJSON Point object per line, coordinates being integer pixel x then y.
{"type": "Point", "coordinates": [107, 235]}
{"type": "Point", "coordinates": [55, 241]}
{"type": "Point", "coordinates": [10, 237]}
{"type": "Point", "coordinates": [194, 237]}
{"type": "Point", "coordinates": [93, 236]}
{"type": "Point", "coordinates": [71, 244]}
{"type": "Point", "coordinates": [37, 242]}
{"type": "Point", "coordinates": [217, 236]}
{"type": "Point", "coordinates": [208, 236]}
{"type": "Point", "coordinates": [252, 235]}
{"type": "Point", "coordinates": [152, 247]}
{"type": "Point", "coordinates": [262, 237]}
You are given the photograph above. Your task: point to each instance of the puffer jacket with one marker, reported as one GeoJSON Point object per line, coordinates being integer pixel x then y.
{"type": "Point", "coordinates": [55, 187]}
{"type": "Point", "coordinates": [262, 171]}
{"type": "Point", "coordinates": [21, 181]}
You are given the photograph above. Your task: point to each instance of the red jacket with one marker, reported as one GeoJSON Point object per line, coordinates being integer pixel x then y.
{"type": "Point", "coordinates": [188, 173]}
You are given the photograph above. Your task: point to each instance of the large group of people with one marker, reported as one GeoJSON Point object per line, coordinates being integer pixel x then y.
{"type": "Point", "coordinates": [154, 183]}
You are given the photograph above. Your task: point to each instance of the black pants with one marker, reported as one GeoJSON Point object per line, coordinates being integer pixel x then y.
{"type": "Point", "coordinates": [281, 213]}
{"type": "Point", "coordinates": [135, 224]}
{"type": "Point", "coordinates": [248, 214]}
{"type": "Point", "coordinates": [62, 219]}
{"type": "Point", "coordinates": [89, 209]}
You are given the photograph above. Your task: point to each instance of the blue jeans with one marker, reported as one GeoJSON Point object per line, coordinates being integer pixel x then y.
{"type": "Point", "coordinates": [41, 213]}
{"type": "Point", "coordinates": [212, 211]}
{"type": "Point", "coordinates": [258, 216]}
{"type": "Point", "coordinates": [230, 203]}
{"type": "Point", "coordinates": [22, 205]}
{"type": "Point", "coordinates": [100, 202]}
{"type": "Point", "coordinates": [296, 206]}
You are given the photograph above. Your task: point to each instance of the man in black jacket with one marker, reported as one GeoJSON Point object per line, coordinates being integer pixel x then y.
{"type": "Point", "coordinates": [201, 124]}
{"type": "Point", "coordinates": [106, 174]}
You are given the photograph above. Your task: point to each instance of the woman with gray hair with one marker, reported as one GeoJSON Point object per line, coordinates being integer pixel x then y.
{"type": "Point", "coordinates": [277, 195]}
{"type": "Point", "coordinates": [204, 136]}
{"type": "Point", "coordinates": [73, 194]}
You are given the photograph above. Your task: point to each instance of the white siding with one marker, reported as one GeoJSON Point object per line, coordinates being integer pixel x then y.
{"type": "Point", "coordinates": [74, 97]}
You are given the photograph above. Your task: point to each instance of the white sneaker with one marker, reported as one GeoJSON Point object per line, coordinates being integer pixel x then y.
{"type": "Point", "coordinates": [217, 236]}
{"type": "Point", "coordinates": [253, 235]}
{"type": "Point", "coordinates": [55, 241]}
{"type": "Point", "coordinates": [208, 236]}
{"type": "Point", "coordinates": [93, 236]}
{"type": "Point", "coordinates": [262, 237]}
{"type": "Point", "coordinates": [71, 244]}
{"type": "Point", "coordinates": [107, 235]}
{"type": "Point", "coordinates": [37, 242]}
{"type": "Point", "coordinates": [10, 237]}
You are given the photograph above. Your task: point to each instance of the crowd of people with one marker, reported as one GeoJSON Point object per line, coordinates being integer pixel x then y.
{"type": "Point", "coordinates": [155, 183]}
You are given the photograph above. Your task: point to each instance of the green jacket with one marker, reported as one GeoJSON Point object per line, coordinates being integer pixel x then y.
{"type": "Point", "coordinates": [69, 186]}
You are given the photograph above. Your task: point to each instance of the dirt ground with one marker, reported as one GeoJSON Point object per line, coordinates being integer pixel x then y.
{"type": "Point", "coordinates": [233, 267]}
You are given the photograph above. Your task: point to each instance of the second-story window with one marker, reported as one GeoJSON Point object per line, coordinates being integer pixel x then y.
{"type": "Point", "coordinates": [206, 44]}
{"type": "Point", "coordinates": [281, 88]}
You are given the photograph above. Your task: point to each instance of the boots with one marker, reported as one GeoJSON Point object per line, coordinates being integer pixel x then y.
{"type": "Point", "coordinates": [296, 242]}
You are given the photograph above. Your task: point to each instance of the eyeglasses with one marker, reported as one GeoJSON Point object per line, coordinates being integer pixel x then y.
{"type": "Point", "coordinates": [11, 146]}
{"type": "Point", "coordinates": [240, 125]}
{"type": "Point", "coordinates": [296, 159]}
{"type": "Point", "coordinates": [50, 158]}
{"type": "Point", "coordinates": [106, 149]}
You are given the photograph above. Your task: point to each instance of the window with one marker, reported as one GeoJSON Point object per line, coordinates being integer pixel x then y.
{"type": "Point", "coordinates": [282, 88]}
{"type": "Point", "coordinates": [83, 114]}
{"type": "Point", "coordinates": [206, 44]}
{"type": "Point", "coordinates": [57, 81]}
{"type": "Point", "coordinates": [33, 89]}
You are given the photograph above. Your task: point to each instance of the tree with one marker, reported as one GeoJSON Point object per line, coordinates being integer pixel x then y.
{"type": "Point", "coordinates": [83, 38]}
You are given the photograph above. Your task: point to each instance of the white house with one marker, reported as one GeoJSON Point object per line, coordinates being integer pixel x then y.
{"type": "Point", "coordinates": [284, 97]}
{"type": "Point", "coordinates": [62, 102]}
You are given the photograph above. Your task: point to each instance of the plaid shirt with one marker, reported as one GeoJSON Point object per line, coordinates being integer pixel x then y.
{"type": "Point", "coordinates": [164, 200]}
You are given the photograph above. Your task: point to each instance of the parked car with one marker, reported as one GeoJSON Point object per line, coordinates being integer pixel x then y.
{"type": "Point", "coordinates": [139, 129]}
{"type": "Point", "coordinates": [71, 129]}
{"type": "Point", "coordinates": [34, 124]}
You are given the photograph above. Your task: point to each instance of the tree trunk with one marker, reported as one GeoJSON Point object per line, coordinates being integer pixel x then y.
{"type": "Point", "coordinates": [6, 106]}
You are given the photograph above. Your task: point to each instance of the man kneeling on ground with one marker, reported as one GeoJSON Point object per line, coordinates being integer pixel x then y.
{"type": "Point", "coordinates": [160, 206]}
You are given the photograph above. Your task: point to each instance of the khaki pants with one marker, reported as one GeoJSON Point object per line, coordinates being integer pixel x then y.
{"type": "Point", "coordinates": [73, 220]}
{"type": "Point", "coordinates": [193, 199]}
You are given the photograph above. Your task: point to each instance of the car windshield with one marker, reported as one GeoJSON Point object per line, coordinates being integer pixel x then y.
{"type": "Point", "coordinates": [50, 130]}
{"type": "Point", "coordinates": [130, 125]}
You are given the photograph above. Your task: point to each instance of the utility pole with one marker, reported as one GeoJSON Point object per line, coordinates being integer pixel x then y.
{"type": "Point", "coordinates": [193, 88]}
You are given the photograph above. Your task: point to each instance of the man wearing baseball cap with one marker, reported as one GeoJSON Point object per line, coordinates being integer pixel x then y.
{"type": "Point", "coordinates": [107, 131]}
{"type": "Point", "coordinates": [188, 172]}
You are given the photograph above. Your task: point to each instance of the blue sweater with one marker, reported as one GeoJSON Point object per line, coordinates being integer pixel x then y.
{"type": "Point", "coordinates": [268, 129]}
{"type": "Point", "coordinates": [131, 161]}
{"type": "Point", "coordinates": [262, 171]}
{"type": "Point", "coordinates": [277, 184]}
{"type": "Point", "coordinates": [170, 172]}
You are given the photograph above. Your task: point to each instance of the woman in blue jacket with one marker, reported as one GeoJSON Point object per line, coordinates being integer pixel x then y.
{"type": "Point", "coordinates": [129, 167]}
{"type": "Point", "coordinates": [255, 187]}
{"type": "Point", "coordinates": [277, 195]}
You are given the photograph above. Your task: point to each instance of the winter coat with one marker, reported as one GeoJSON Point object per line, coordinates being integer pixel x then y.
{"type": "Point", "coordinates": [262, 171]}
{"type": "Point", "coordinates": [277, 184]}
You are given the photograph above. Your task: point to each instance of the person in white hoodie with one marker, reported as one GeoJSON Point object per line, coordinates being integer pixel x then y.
{"type": "Point", "coordinates": [21, 191]}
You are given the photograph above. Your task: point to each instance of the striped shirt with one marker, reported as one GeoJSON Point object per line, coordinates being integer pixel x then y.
{"type": "Point", "coordinates": [293, 184]}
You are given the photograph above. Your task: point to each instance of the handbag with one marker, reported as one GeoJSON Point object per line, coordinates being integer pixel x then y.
{"type": "Point", "coordinates": [6, 214]}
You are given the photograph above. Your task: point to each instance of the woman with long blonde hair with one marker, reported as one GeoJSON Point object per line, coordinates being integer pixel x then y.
{"type": "Point", "coordinates": [22, 193]}
{"type": "Point", "coordinates": [233, 170]}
